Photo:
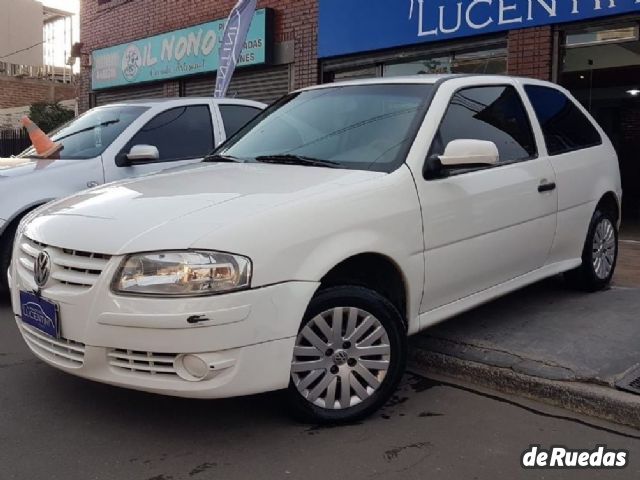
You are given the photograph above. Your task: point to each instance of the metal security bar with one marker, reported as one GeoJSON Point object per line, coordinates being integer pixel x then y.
{"type": "Point", "coordinates": [13, 141]}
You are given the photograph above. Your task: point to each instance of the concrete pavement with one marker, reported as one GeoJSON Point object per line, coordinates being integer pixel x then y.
{"type": "Point", "coordinates": [547, 341]}
{"type": "Point", "coordinates": [628, 269]}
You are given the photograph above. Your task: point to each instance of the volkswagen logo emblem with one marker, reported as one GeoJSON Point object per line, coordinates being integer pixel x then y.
{"type": "Point", "coordinates": [340, 357]}
{"type": "Point", "coordinates": [42, 269]}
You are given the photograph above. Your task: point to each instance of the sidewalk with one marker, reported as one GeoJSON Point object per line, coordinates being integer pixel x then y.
{"type": "Point", "coordinates": [628, 269]}
{"type": "Point", "coordinates": [549, 342]}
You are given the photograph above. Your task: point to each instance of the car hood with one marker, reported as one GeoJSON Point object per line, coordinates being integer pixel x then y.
{"type": "Point", "coordinates": [17, 166]}
{"type": "Point", "coordinates": [173, 209]}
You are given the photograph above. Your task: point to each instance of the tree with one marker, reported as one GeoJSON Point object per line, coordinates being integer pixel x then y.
{"type": "Point", "coordinates": [49, 116]}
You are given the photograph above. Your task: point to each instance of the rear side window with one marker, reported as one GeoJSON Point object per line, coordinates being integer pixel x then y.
{"type": "Point", "coordinates": [492, 113]}
{"type": "Point", "coordinates": [564, 126]}
{"type": "Point", "coordinates": [180, 133]}
{"type": "Point", "coordinates": [235, 117]}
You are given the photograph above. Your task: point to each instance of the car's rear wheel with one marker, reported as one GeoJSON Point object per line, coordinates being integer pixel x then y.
{"type": "Point", "coordinates": [348, 357]}
{"type": "Point", "coordinates": [599, 255]}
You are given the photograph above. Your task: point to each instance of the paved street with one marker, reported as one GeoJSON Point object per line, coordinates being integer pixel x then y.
{"type": "Point", "coordinates": [59, 427]}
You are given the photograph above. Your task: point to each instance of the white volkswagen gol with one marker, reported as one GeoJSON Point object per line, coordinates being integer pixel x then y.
{"type": "Point", "coordinates": [339, 221]}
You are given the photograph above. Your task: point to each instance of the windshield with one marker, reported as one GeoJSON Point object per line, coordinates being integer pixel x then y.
{"type": "Point", "coordinates": [91, 133]}
{"type": "Point", "coordinates": [363, 127]}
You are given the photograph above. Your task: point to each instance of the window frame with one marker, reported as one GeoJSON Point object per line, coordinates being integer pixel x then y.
{"type": "Point", "coordinates": [452, 172]}
{"type": "Point", "coordinates": [580, 109]}
{"type": "Point", "coordinates": [221, 106]}
{"type": "Point", "coordinates": [121, 157]}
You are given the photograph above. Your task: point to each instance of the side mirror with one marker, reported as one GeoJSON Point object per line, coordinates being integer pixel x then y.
{"type": "Point", "coordinates": [143, 154]}
{"type": "Point", "coordinates": [469, 153]}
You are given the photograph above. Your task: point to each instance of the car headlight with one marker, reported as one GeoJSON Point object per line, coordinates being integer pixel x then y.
{"type": "Point", "coordinates": [182, 273]}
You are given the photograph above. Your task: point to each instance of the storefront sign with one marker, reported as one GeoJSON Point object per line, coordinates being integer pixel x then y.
{"type": "Point", "coordinates": [351, 26]}
{"type": "Point", "coordinates": [175, 54]}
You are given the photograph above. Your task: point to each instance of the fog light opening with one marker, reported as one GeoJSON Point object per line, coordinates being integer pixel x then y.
{"type": "Point", "coordinates": [191, 367]}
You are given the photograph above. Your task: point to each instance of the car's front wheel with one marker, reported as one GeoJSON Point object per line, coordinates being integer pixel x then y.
{"type": "Point", "coordinates": [348, 357]}
{"type": "Point", "coordinates": [599, 255]}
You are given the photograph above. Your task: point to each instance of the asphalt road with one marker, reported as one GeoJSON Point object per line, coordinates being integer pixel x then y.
{"type": "Point", "coordinates": [55, 426]}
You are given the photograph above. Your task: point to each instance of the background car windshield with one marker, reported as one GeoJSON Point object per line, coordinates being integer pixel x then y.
{"type": "Point", "coordinates": [90, 134]}
{"type": "Point", "coordinates": [364, 127]}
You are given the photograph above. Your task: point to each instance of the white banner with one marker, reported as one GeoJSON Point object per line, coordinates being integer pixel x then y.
{"type": "Point", "coordinates": [235, 34]}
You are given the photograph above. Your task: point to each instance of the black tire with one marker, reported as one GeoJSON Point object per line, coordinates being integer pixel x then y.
{"type": "Point", "coordinates": [6, 246]}
{"type": "Point", "coordinates": [585, 277]}
{"type": "Point", "coordinates": [387, 315]}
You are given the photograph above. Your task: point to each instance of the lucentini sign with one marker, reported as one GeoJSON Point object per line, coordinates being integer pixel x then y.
{"type": "Point", "coordinates": [351, 26]}
{"type": "Point", "coordinates": [175, 54]}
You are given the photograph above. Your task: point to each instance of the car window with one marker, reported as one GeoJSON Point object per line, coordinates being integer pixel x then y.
{"type": "Point", "coordinates": [179, 133]}
{"type": "Point", "coordinates": [492, 113]}
{"type": "Point", "coordinates": [360, 127]}
{"type": "Point", "coordinates": [564, 126]}
{"type": "Point", "coordinates": [235, 117]}
{"type": "Point", "coordinates": [90, 134]}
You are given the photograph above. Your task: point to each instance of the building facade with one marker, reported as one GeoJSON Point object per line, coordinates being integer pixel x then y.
{"type": "Point", "coordinates": [30, 35]}
{"type": "Point", "coordinates": [173, 40]}
{"type": "Point", "coordinates": [592, 47]}
{"type": "Point", "coordinates": [21, 32]}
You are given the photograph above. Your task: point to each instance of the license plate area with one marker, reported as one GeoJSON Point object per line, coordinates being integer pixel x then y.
{"type": "Point", "coordinates": [40, 313]}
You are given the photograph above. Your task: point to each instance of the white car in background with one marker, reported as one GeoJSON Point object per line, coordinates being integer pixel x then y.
{"type": "Point", "coordinates": [304, 252]}
{"type": "Point", "coordinates": [113, 142]}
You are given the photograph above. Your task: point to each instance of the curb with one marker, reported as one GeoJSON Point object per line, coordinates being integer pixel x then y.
{"type": "Point", "coordinates": [584, 398]}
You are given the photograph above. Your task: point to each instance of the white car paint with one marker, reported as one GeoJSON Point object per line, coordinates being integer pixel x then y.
{"type": "Point", "coordinates": [457, 241]}
{"type": "Point", "coordinates": [29, 182]}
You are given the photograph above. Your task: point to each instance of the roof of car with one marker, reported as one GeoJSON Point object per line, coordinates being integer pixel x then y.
{"type": "Point", "coordinates": [151, 102]}
{"type": "Point", "coordinates": [422, 78]}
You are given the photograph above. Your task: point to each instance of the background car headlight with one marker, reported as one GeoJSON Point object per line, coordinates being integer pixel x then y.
{"type": "Point", "coordinates": [186, 273]}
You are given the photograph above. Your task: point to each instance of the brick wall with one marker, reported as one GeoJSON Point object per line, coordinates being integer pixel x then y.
{"type": "Point", "coordinates": [121, 21]}
{"type": "Point", "coordinates": [530, 52]}
{"type": "Point", "coordinates": [19, 92]}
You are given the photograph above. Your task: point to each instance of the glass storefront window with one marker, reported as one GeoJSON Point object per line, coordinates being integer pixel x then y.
{"type": "Point", "coordinates": [355, 74]}
{"type": "Point", "coordinates": [414, 67]}
{"type": "Point", "coordinates": [486, 61]}
{"type": "Point", "coordinates": [600, 66]}
{"type": "Point", "coordinates": [611, 35]}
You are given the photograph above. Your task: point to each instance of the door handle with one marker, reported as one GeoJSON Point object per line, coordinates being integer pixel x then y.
{"type": "Point", "coordinates": [92, 184]}
{"type": "Point", "coordinates": [546, 187]}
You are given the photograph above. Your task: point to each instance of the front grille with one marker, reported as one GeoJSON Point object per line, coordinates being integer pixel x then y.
{"type": "Point", "coordinates": [144, 363]}
{"type": "Point", "coordinates": [68, 353]}
{"type": "Point", "coordinates": [73, 268]}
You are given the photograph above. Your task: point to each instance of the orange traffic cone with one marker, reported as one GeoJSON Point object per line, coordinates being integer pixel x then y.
{"type": "Point", "coordinates": [45, 147]}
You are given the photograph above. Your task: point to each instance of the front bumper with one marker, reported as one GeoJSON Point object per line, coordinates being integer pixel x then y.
{"type": "Point", "coordinates": [140, 343]}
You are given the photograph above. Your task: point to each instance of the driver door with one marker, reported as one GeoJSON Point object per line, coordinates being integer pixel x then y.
{"type": "Point", "coordinates": [485, 226]}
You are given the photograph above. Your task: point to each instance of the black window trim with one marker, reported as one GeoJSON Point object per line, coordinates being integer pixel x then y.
{"type": "Point", "coordinates": [461, 171]}
{"type": "Point", "coordinates": [121, 157]}
{"type": "Point", "coordinates": [576, 105]}
{"type": "Point", "coordinates": [222, 104]}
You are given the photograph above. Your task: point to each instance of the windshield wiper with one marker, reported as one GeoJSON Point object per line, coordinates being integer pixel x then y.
{"type": "Point", "coordinates": [88, 129]}
{"type": "Point", "coordinates": [221, 158]}
{"type": "Point", "coordinates": [288, 159]}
